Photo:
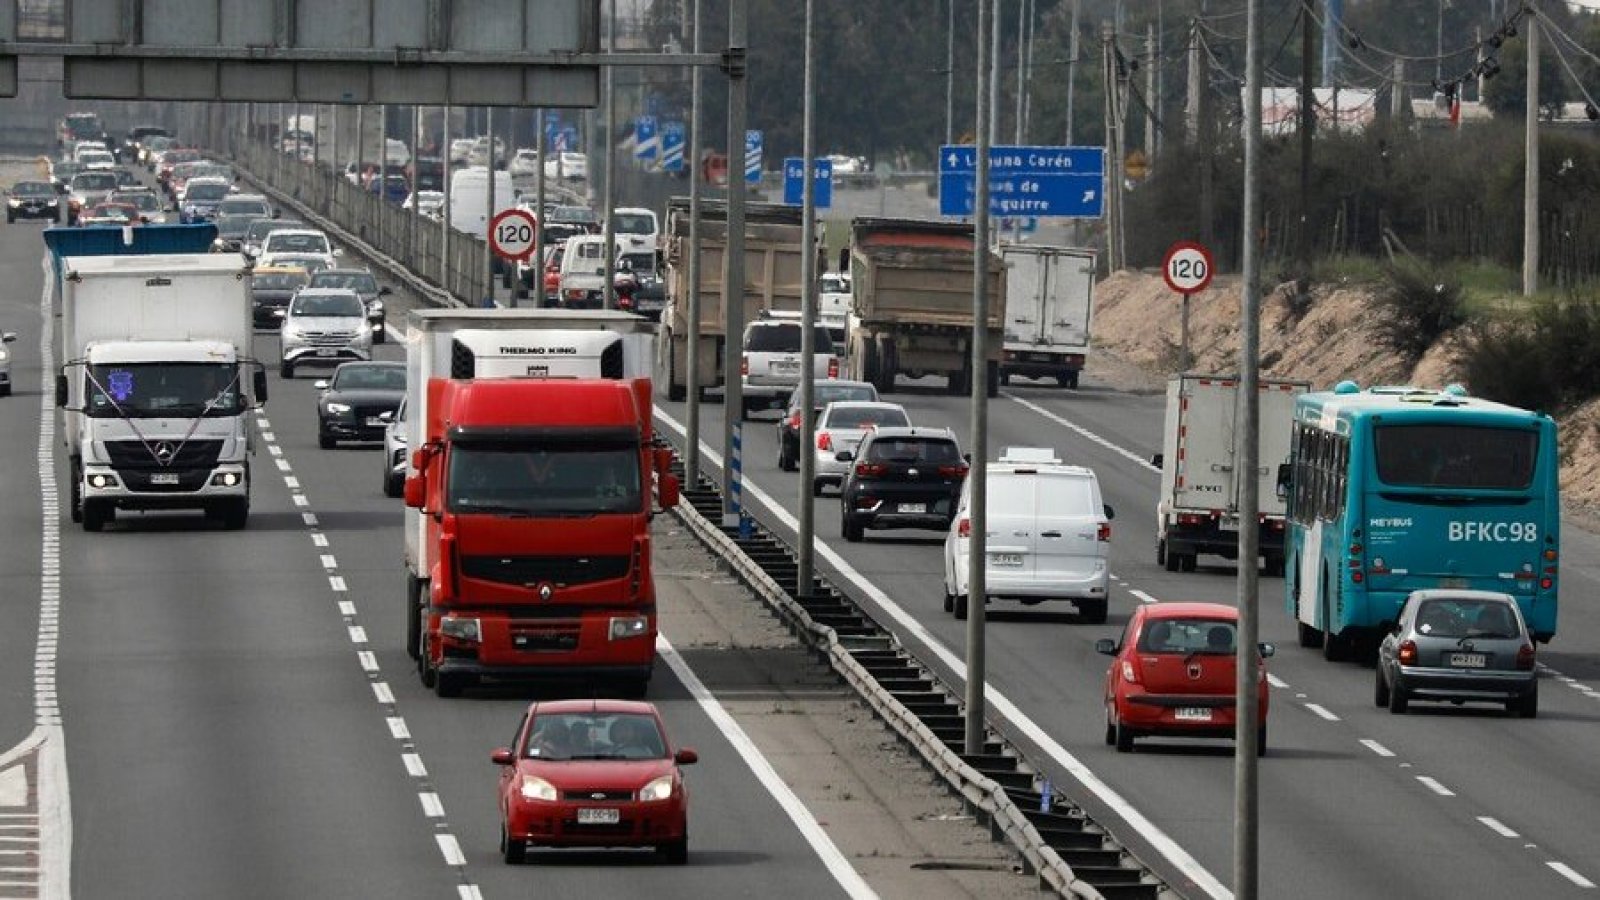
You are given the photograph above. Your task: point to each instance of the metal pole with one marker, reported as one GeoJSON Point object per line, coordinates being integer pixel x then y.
{"type": "Point", "coordinates": [691, 356]}
{"type": "Point", "coordinates": [1438, 45]}
{"type": "Point", "coordinates": [1191, 109]}
{"type": "Point", "coordinates": [1308, 124]}
{"type": "Point", "coordinates": [994, 73]}
{"type": "Point", "coordinates": [1530, 167]}
{"type": "Point", "coordinates": [733, 257]}
{"type": "Point", "coordinates": [537, 290]}
{"type": "Point", "coordinates": [808, 315]}
{"type": "Point", "coordinates": [1246, 869]}
{"type": "Point", "coordinates": [1183, 336]}
{"type": "Point", "coordinates": [1150, 94]}
{"type": "Point", "coordinates": [949, 72]}
{"type": "Point", "coordinates": [609, 291]}
{"type": "Point", "coordinates": [414, 221]}
{"type": "Point", "coordinates": [488, 215]}
{"type": "Point", "coordinates": [1022, 53]}
{"type": "Point", "coordinates": [1072, 68]}
{"type": "Point", "coordinates": [383, 177]}
{"type": "Point", "coordinates": [444, 220]}
{"type": "Point", "coordinates": [977, 586]}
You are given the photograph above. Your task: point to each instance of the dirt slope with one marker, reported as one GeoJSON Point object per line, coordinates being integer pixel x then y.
{"type": "Point", "coordinates": [1137, 318]}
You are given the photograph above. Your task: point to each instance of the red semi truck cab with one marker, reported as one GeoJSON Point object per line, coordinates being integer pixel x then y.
{"type": "Point", "coordinates": [536, 494]}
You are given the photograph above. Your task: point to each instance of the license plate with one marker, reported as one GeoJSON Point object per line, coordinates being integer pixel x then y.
{"type": "Point", "coordinates": [1006, 559]}
{"type": "Point", "coordinates": [913, 507]}
{"type": "Point", "coordinates": [1227, 524]}
{"type": "Point", "coordinates": [1459, 584]}
{"type": "Point", "coordinates": [375, 422]}
{"type": "Point", "coordinates": [786, 365]}
{"type": "Point", "coordinates": [1192, 714]}
{"type": "Point", "coordinates": [599, 816]}
{"type": "Point", "coordinates": [327, 351]}
{"type": "Point", "coordinates": [164, 478]}
{"type": "Point", "coordinates": [1468, 660]}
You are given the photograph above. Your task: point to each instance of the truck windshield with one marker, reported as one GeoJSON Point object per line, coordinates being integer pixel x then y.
{"type": "Point", "coordinates": [572, 479]}
{"type": "Point", "coordinates": [157, 389]}
{"type": "Point", "coordinates": [1456, 456]}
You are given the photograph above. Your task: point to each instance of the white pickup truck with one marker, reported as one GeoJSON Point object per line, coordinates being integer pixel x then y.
{"type": "Point", "coordinates": [772, 362]}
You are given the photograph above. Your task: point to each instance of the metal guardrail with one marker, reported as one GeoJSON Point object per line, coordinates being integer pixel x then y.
{"type": "Point", "coordinates": [869, 659]}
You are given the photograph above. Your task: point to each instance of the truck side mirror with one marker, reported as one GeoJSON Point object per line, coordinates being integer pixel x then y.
{"type": "Point", "coordinates": [1110, 513]}
{"type": "Point", "coordinates": [61, 390]}
{"type": "Point", "coordinates": [259, 383]}
{"type": "Point", "coordinates": [416, 491]}
{"type": "Point", "coordinates": [1159, 460]}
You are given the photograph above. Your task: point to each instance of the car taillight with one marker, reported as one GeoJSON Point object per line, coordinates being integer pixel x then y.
{"type": "Point", "coordinates": [1104, 534]}
{"type": "Point", "coordinates": [1408, 653]}
{"type": "Point", "coordinates": [870, 469]}
{"type": "Point", "coordinates": [576, 294]}
{"type": "Point", "coordinates": [1525, 657]}
{"type": "Point", "coordinates": [964, 527]}
{"type": "Point", "coordinates": [824, 441]}
{"type": "Point", "coordinates": [744, 365]}
{"type": "Point", "coordinates": [794, 421]}
{"type": "Point", "coordinates": [953, 471]}
{"type": "Point", "coordinates": [1129, 674]}
{"type": "Point", "coordinates": [833, 367]}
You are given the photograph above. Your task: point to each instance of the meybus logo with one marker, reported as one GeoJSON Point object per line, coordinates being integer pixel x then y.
{"type": "Point", "coordinates": [1390, 523]}
{"type": "Point", "coordinates": [1494, 531]}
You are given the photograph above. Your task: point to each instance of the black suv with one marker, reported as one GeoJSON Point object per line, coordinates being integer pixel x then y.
{"type": "Point", "coordinates": [901, 478]}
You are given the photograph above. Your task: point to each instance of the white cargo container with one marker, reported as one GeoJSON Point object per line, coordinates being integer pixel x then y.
{"type": "Point", "coordinates": [469, 199]}
{"type": "Point", "coordinates": [156, 385]}
{"type": "Point", "coordinates": [1049, 311]}
{"type": "Point", "coordinates": [1198, 510]}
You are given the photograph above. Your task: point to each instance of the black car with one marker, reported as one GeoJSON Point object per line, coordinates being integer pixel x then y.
{"type": "Point", "coordinates": [825, 391]}
{"type": "Point", "coordinates": [137, 135]}
{"type": "Point", "coordinates": [33, 200]}
{"type": "Point", "coordinates": [366, 287]}
{"type": "Point", "coordinates": [271, 289]}
{"type": "Point", "coordinates": [901, 478]}
{"type": "Point", "coordinates": [354, 400]}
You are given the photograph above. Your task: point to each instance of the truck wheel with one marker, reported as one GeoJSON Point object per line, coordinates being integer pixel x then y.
{"type": "Point", "coordinates": [1005, 378]}
{"type": "Point", "coordinates": [851, 529]}
{"type": "Point", "coordinates": [960, 607]}
{"type": "Point", "coordinates": [958, 383]}
{"type": "Point", "coordinates": [95, 515]}
{"type": "Point", "coordinates": [992, 387]}
{"type": "Point", "coordinates": [414, 616]}
{"type": "Point", "coordinates": [869, 363]}
{"type": "Point", "coordinates": [675, 392]}
{"type": "Point", "coordinates": [634, 688]}
{"type": "Point", "coordinates": [1068, 380]}
{"type": "Point", "coordinates": [1093, 611]}
{"type": "Point", "coordinates": [235, 515]}
{"type": "Point", "coordinates": [286, 370]}
{"type": "Point", "coordinates": [1161, 553]}
{"type": "Point", "coordinates": [888, 367]}
{"type": "Point", "coordinates": [326, 441]}
{"type": "Point", "coordinates": [1274, 565]}
{"type": "Point", "coordinates": [1187, 562]}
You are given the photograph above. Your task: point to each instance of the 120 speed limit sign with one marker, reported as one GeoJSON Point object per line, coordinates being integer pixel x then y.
{"type": "Point", "coordinates": [511, 234]}
{"type": "Point", "coordinates": [1187, 268]}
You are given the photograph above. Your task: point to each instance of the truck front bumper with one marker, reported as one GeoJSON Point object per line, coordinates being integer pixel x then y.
{"type": "Point", "coordinates": [166, 488]}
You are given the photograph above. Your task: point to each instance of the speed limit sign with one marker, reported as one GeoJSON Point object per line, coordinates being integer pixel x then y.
{"type": "Point", "coordinates": [1187, 268]}
{"type": "Point", "coordinates": [511, 234]}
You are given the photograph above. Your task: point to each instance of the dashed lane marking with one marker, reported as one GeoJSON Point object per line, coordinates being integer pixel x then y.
{"type": "Point", "coordinates": [1498, 827]}
{"type": "Point", "coordinates": [1322, 712]}
{"type": "Point", "coordinates": [1376, 747]}
{"type": "Point", "coordinates": [1570, 874]}
{"type": "Point", "coordinates": [1433, 784]}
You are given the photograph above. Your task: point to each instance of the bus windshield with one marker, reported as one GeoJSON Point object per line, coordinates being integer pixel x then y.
{"type": "Point", "coordinates": [1455, 456]}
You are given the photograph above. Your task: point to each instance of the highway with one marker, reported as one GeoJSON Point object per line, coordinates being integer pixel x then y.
{"type": "Point", "coordinates": [240, 719]}
{"type": "Point", "coordinates": [1355, 802]}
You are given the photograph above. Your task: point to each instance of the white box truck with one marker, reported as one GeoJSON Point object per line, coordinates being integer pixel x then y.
{"type": "Point", "coordinates": [469, 199]}
{"type": "Point", "coordinates": [1049, 310]}
{"type": "Point", "coordinates": [1198, 510]}
{"type": "Point", "coordinates": [157, 381]}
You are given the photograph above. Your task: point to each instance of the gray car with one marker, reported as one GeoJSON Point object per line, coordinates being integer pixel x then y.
{"type": "Point", "coordinates": [394, 452]}
{"type": "Point", "coordinates": [1458, 646]}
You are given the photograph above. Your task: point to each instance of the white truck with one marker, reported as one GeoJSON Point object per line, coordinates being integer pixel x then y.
{"type": "Point", "coordinates": [157, 381]}
{"type": "Point", "coordinates": [1049, 309]}
{"type": "Point", "coordinates": [1198, 510]}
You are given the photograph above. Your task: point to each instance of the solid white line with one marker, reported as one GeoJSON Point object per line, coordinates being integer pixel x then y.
{"type": "Point", "coordinates": [1432, 784]}
{"type": "Point", "coordinates": [1570, 874]}
{"type": "Point", "coordinates": [1376, 747]}
{"type": "Point", "coordinates": [844, 873]}
{"type": "Point", "coordinates": [1322, 711]}
{"type": "Point", "coordinates": [1143, 597]}
{"type": "Point", "coordinates": [451, 849]}
{"type": "Point", "coordinates": [1158, 839]}
{"type": "Point", "coordinates": [1498, 827]}
{"type": "Point", "coordinates": [1095, 438]}
{"type": "Point", "coordinates": [1277, 682]}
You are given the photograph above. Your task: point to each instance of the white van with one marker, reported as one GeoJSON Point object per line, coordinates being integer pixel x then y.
{"type": "Point", "coordinates": [635, 228]}
{"type": "Point", "coordinates": [469, 199]}
{"type": "Point", "coordinates": [583, 271]}
{"type": "Point", "coordinates": [1049, 535]}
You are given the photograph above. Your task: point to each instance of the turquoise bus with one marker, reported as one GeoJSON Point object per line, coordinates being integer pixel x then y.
{"type": "Point", "coordinates": [1392, 490]}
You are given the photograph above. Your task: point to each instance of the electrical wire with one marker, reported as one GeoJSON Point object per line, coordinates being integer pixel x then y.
{"type": "Point", "coordinates": [1562, 57]}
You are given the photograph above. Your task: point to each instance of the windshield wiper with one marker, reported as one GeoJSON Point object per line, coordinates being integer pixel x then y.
{"type": "Point", "coordinates": [520, 512]}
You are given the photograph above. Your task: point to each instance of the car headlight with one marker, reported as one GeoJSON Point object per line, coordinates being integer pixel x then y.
{"type": "Point", "coordinates": [102, 481]}
{"type": "Point", "coordinates": [14, 202]}
{"type": "Point", "coordinates": [338, 409]}
{"type": "Point", "coordinates": [51, 202]}
{"type": "Point", "coordinates": [628, 626]}
{"type": "Point", "coordinates": [462, 629]}
{"type": "Point", "coordinates": [535, 788]}
{"type": "Point", "coordinates": [5, 355]}
{"type": "Point", "coordinates": [659, 789]}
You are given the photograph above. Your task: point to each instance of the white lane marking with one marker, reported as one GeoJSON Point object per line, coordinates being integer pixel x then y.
{"type": "Point", "coordinates": [844, 873]}
{"type": "Point", "coordinates": [468, 892]}
{"type": "Point", "coordinates": [1376, 747]}
{"type": "Point", "coordinates": [336, 583]}
{"type": "Point", "coordinates": [318, 539]}
{"type": "Point", "coordinates": [1570, 874]}
{"type": "Point", "coordinates": [1498, 827]}
{"type": "Point", "coordinates": [346, 608]}
{"type": "Point", "coordinates": [398, 729]}
{"type": "Point", "coordinates": [1322, 711]}
{"type": "Point", "coordinates": [1143, 597]}
{"type": "Point", "coordinates": [1277, 682]}
{"type": "Point", "coordinates": [414, 766]}
{"type": "Point", "coordinates": [1159, 840]}
{"type": "Point", "coordinates": [292, 482]}
{"type": "Point", "coordinates": [432, 806]}
{"type": "Point", "coordinates": [299, 499]}
{"type": "Point", "coordinates": [369, 662]}
{"type": "Point", "coordinates": [261, 420]}
{"type": "Point", "coordinates": [1086, 433]}
{"type": "Point", "coordinates": [269, 437]}
{"type": "Point", "coordinates": [451, 849]}
{"type": "Point", "coordinates": [309, 519]}
{"type": "Point", "coordinates": [1433, 784]}
{"type": "Point", "coordinates": [283, 465]}
{"type": "Point", "coordinates": [328, 562]}
{"type": "Point", "coordinates": [358, 635]}
{"type": "Point", "coordinates": [274, 449]}
{"type": "Point", "coordinates": [381, 690]}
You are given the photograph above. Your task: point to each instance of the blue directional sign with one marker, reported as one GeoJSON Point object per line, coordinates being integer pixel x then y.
{"type": "Point", "coordinates": [645, 142]}
{"type": "Point", "coordinates": [672, 146]}
{"type": "Point", "coordinates": [794, 184]}
{"type": "Point", "coordinates": [569, 138]}
{"type": "Point", "coordinates": [552, 126]}
{"type": "Point", "coordinates": [752, 156]}
{"type": "Point", "coordinates": [1062, 182]}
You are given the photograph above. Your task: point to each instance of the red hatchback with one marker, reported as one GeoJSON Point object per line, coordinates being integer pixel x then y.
{"type": "Point", "coordinates": [1172, 675]}
{"type": "Point", "coordinates": [593, 773]}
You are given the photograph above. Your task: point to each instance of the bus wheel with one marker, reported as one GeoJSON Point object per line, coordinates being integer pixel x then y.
{"type": "Point", "coordinates": [1310, 637]}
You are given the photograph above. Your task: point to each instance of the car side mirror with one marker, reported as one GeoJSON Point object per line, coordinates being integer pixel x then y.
{"type": "Point", "coordinates": [61, 390]}
{"type": "Point", "coordinates": [967, 458]}
{"type": "Point", "coordinates": [1159, 460]}
{"type": "Point", "coordinates": [385, 291]}
{"type": "Point", "coordinates": [1266, 649]}
{"type": "Point", "coordinates": [503, 756]}
{"type": "Point", "coordinates": [320, 384]}
{"type": "Point", "coordinates": [844, 456]}
{"type": "Point", "coordinates": [260, 385]}
{"type": "Point", "coordinates": [1106, 646]}
{"type": "Point", "coordinates": [386, 417]}
{"type": "Point", "coordinates": [1110, 513]}
{"type": "Point", "coordinates": [416, 491]}
{"type": "Point", "coordinates": [685, 757]}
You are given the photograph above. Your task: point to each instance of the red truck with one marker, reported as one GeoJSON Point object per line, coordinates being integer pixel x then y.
{"type": "Point", "coordinates": [533, 472]}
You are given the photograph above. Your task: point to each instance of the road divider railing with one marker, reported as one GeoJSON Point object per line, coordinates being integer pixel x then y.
{"type": "Point", "coordinates": [1067, 851]}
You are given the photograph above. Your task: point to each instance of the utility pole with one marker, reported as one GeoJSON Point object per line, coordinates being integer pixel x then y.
{"type": "Point", "coordinates": [691, 452]}
{"type": "Point", "coordinates": [1191, 105]}
{"type": "Point", "coordinates": [609, 292]}
{"type": "Point", "coordinates": [536, 291]}
{"type": "Point", "coordinates": [1397, 93]}
{"type": "Point", "coordinates": [444, 220]}
{"type": "Point", "coordinates": [1208, 154]}
{"type": "Point", "coordinates": [1022, 56]}
{"type": "Point", "coordinates": [1530, 169]}
{"type": "Point", "coordinates": [488, 214]}
{"type": "Point", "coordinates": [1308, 121]}
{"type": "Point", "coordinates": [808, 316]}
{"type": "Point", "coordinates": [1072, 67]}
{"type": "Point", "coordinates": [994, 72]}
{"type": "Point", "coordinates": [414, 221]}
{"type": "Point", "coordinates": [1116, 75]}
{"type": "Point", "coordinates": [949, 72]}
{"type": "Point", "coordinates": [733, 257]}
{"type": "Point", "coordinates": [1150, 94]}
{"type": "Point", "coordinates": [1246, 869]}
{"type": "Point", "coordinates": [977, 555]}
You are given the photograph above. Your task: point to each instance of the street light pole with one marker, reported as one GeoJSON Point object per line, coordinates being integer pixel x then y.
{"type": "Point", "coordinates": [733, 257]}
{"type": "Point", "coordinates": [609, 292]}
{"type": "Point", "coordinates": [977, 587]}
{"type": "Point", "coordinates": [691, 356]}
{"type": "Point", "coordinates": [808, 317]}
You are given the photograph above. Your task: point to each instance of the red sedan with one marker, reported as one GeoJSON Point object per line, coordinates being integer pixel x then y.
{"type": "Point", "coordinates": [593, 773]}
{"type": "Point", "coordinates": [1172, 674]}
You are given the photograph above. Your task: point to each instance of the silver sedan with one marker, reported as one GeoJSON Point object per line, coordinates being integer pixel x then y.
{"type": "Point", "coordinates": [1459, 646]}
{"type": "Point", "coordinates": [841, 427]}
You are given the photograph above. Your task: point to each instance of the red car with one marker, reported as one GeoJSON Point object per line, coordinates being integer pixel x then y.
{"type": "Point", "coordinates": [593, 773]}
{"type": "Point", "coordinates": [1172, 675]}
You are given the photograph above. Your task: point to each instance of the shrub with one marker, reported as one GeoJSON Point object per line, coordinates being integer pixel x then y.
{"type": "Point", "coordinates": [1417, 306]}
{"type": "Point", "coordinates": [1548, 359]}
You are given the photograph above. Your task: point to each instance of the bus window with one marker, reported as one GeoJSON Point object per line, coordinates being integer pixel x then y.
{"type": "Point", "coordinates": [1455, 456]}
